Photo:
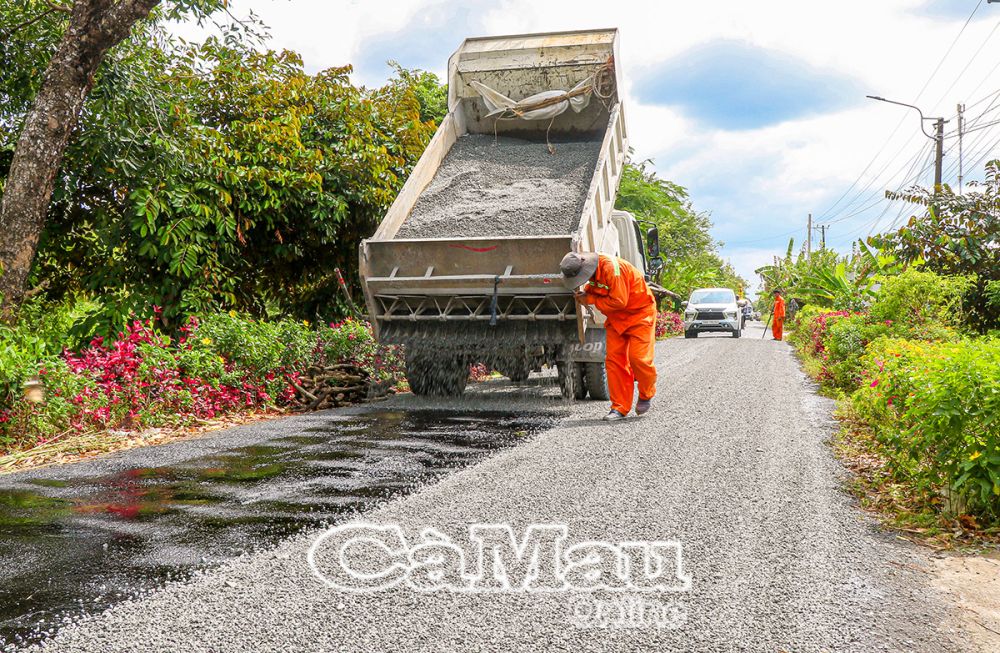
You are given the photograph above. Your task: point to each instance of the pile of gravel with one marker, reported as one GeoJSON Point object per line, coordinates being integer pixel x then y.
{"type": "Point", "coordinates": [504, 187]}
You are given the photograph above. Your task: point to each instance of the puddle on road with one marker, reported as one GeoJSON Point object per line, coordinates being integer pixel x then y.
{"type": "Point", "coordinates": [72, 547]}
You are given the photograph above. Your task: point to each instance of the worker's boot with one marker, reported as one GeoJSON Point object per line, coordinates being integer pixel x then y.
{"type": "Point", "coordinates": [642, 406]}
{"type": "Point", "coordinates": [613, 416]}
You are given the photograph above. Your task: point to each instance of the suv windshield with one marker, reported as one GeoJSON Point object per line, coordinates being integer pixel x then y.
{"type": "Point", "coordinates": [712, 297]}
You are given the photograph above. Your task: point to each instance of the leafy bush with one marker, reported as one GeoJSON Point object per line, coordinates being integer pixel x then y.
{"type": "Point", "coordinates": [352, 341]}
{"type": "Point", "coordinates": [916, 299]}
{"type": "Point", "coordinates": [935, 409]}
{"type": "Point", "coordinates": [668, 324]}
{"type": "Point", "coordinates": [220, 364]}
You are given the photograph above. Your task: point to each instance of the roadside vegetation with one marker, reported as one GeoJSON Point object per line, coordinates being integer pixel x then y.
{"type": "Point", "coordinates": [905, 335]}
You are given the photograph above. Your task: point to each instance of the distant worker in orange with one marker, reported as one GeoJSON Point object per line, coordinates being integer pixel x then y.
{"type": "Point", "coordinates": [619, 291]}
{"type": "Point", "coordinates": [778, 316]}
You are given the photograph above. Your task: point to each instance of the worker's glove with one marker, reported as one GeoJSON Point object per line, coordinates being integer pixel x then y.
{"type": "Point", "coordinates": [580, 294]}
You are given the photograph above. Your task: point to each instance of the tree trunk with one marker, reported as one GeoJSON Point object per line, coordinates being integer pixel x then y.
{"type": "Point", "coordinates": [94, 27]}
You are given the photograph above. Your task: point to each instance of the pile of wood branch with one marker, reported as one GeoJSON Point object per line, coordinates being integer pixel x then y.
{"type": "Point", "coordinates": [331, 386]}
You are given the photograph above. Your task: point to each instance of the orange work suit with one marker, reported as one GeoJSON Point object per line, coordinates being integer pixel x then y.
{"type": "Point", "coordinates": [620, 292]}
{"type": "Point", "coordinates": [778, 318]}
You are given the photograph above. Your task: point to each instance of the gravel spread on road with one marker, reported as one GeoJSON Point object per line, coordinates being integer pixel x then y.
{"type": "Point", "coordinates": [504, 187]}
{"type": "Point", "coordinates": [735, 469]}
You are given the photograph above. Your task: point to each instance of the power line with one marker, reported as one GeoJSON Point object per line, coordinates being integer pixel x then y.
{"type": "Point", "coordinates": [765, 239]}
{"type": "Point", "coordinates": [944, 57]}
{"type": "Point", "coordinates": [908, 179]}
{"type": "Point", "coordinates": [969, 63]}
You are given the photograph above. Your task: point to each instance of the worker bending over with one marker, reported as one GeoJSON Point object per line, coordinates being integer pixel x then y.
{"type": "Point", "coordinates": [778, 316]}
{"type": "Point", "coordinates": [620, 292]}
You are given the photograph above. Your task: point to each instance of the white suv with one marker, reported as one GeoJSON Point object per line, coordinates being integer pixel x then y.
{"type": "Point", "coordinates": [712, 309]}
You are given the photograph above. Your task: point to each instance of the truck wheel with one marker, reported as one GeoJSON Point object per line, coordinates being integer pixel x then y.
{"type": "Point", "coordinates": [597, 381]}
{"type": "Point", "coordinates": [571, 381]}
{"type": "Point", "coordinates": [737, 333]}
{"type": "Point", "coordinates": [690, 334]}
{"type": "Point", "coordinates": [440, 377]}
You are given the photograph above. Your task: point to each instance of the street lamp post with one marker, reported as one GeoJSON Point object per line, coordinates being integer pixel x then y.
{"type": "Point", "coordinates": [938, 136]}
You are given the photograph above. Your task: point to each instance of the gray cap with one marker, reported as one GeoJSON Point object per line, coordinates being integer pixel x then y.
{"type": "Point", "coordinates": [578, 268]}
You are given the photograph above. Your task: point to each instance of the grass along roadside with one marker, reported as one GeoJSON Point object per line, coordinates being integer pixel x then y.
{"type": "Point", "coordinates": [72, 447]}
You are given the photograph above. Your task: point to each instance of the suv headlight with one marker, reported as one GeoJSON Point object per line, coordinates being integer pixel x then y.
{"type": "Point", "coordinates": [731, 315]}
{"type": "Point", "coordinates": [690, 314]}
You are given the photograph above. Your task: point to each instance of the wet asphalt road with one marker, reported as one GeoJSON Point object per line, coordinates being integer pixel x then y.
{"type": "Point", "coordinates": [77, 539]}
{"type": "Point", "coordinates": [731, 463]}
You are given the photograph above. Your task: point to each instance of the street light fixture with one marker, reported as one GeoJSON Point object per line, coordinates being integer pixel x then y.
{"type": "Point", "coordinates": [938, 137]}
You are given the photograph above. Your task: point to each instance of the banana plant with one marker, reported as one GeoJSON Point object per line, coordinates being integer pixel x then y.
{"type": "Point", "coordinates": [836, 287]}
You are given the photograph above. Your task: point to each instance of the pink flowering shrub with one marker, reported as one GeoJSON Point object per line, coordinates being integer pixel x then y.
{"type": "Point", "coordinates": [218, 365]}
{"type": "Point", "coordinates": [479, 372]}
{"type": "Point", "coordinates": [932, 408]}
{"type": "Point", "coordinates": [668, 324]}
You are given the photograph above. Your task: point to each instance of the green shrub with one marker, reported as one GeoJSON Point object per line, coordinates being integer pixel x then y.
{"type": "Point", "coordinates": [254, 349]}
{"type": "Point", "coordinates": [917, 299]}
{"type": "Point", "coordinates": [845, 342]}
{"type": "Point", "coordinates": [221, 364]}
{"type": "Point", "coordinates": [935, 410]}
{"type": "Point", "coordinates": [353, 341]}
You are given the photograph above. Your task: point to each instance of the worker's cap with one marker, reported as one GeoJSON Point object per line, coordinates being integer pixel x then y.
{"type": "Point", "coordinates": [578, 268]}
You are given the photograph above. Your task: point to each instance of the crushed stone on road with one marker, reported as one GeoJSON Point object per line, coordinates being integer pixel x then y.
{"type": "Point", "coordinates": [780, 557]}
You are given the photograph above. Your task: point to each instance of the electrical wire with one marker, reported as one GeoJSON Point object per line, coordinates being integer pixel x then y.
{"type": "Point", "coordinates": [903, 119]}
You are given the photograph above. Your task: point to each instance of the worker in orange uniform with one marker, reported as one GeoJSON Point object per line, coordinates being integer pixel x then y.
{"type": "Point", "coordinates": [620, 292]}
{"type": "Point", "coordinates": [778, 316]}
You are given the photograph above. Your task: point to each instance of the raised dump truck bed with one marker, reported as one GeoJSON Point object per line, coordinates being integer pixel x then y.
{"type": "Point", "coordinates": [465, 265]}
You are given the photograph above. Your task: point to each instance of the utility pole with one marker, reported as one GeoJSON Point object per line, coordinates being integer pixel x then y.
{"type": "Point", "coordinates": [809, 239]}
{"type": "Point", "coordinates": [822, 238]}
{"type": "Point", "coordinates": [939, 155]}
{"type": "Point", "coordinates": [938, 138]}
{"type": "Point", "coordinates": [961, 126]}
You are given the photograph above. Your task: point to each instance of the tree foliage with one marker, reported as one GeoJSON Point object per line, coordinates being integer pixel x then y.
{"type": "Point", "coordinates": [690, 254]}
{"type": "Point", "coordinates": [218, 175]}
{"type": "Point", "coordinates": [46, 113]}
{"type": "Point", "coordinates": [958, 235]}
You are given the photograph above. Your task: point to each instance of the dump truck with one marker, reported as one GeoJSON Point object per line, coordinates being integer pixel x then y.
{"type": "Point", "coordinates": [525, 167]}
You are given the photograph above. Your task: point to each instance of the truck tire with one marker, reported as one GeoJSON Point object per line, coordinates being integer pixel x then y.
{"type": "Point", "coordinates": [571, 381]}
{"type": "Point", "coordinates": [737, 333]}
{"type": "Point", "coordinates": [690, 334]}
{"type": "Point", "coordinates": [441, 377]}
{"type": "Point", "coordinates": [597, 381]}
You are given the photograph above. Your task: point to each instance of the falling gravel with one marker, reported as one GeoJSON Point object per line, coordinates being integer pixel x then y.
{"type": "Point", "coordinates": [504, 187]}
{"type": "Point", "coordinates": [779, 556]}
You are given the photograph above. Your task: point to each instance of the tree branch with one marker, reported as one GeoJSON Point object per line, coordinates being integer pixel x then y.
{"type": "Point", "coordinates": [30, 22]}
{"type": "Point", "coordinates": [55, 6]}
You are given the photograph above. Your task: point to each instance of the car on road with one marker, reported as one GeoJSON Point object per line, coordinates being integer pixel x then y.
{"type": "Point", "coordinates": [713, 310]}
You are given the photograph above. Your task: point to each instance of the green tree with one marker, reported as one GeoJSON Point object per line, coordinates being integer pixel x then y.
{"type": "Point", "coordinates": [428, 89]}
{"type": "Point", "coordinates": [958, 235]}
{"type": "Point", "coordinates": [234, 179]}
{"type": "Point", "coordinates": [91, 29]}
{"type": "Point", "coordinates": [690, 253]}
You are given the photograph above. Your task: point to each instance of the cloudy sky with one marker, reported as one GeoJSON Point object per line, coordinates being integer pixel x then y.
{"type": "Point", "coordinates": [758, 108]}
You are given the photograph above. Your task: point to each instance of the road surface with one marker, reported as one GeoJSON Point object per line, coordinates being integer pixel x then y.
{"type": "Point", "coordinates": [732, 463]}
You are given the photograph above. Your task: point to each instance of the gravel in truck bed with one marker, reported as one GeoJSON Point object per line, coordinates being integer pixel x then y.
{"type": "Point", "coordinates": [490, 187]}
